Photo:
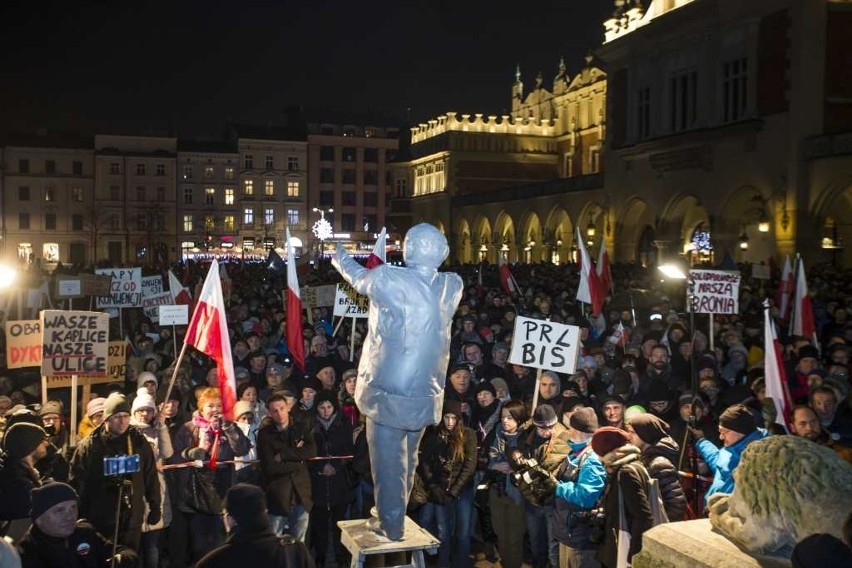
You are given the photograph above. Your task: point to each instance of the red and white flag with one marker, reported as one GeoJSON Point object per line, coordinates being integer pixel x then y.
{"type": "Point", "coordinates": [803, 313]}
{"type": "Point", "coordinates": [208, 332]}
{"type": "Point", "coordinates": [507, 279]}
{"type": "Point", "coordinates": [785, 290]}
{"type": "Point", "coordinates": [776, 375]}
{"type": "Point", "coordinates": [180, 293]}
{"type": "Point", "coordinates": [295, 343]}
{"type": "Point", "coordinates": [604, 274]}
{"type": "Point", "coordinates": [589, 290]}
{"type": "Point", "coordinates": [379, 254]}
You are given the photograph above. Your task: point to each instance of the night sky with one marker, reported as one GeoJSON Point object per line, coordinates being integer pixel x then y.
{"type": "Point", "coordinates": [189, 66]}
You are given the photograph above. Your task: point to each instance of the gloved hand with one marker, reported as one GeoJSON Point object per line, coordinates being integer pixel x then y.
{"type": "Point", "coordinates": [696, 433]}
{"type": "Point", "coordinates": [548, 481]}
{"type": "Point", "coordinates": [196, 454]}
{"type": "Point", "coordinates": [154, 516]}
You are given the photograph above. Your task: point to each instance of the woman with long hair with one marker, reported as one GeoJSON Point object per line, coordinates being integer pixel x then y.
{"type": "Point", "coordinates": [447, 463]}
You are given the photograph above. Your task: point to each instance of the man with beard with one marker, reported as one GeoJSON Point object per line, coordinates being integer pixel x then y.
{"type": "Point", "coordinates": [659, 369]}
{"type": "Point", "coordinates": [804, 422]}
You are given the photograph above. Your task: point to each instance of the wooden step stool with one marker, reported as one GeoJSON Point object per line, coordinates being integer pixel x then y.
{"type": "Point", "coordinates": [361, 542]}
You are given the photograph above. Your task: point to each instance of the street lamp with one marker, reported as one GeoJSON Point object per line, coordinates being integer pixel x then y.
{"type": "Point", "coordinates": [672, 270]}
{"type": "Point", "coordinates": [8, 276]}
{"type": "Point", "coordinates": [322, 229]}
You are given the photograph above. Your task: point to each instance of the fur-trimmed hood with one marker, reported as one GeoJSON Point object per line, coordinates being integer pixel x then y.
{"type": "Point", "coordinates": [621, 456]}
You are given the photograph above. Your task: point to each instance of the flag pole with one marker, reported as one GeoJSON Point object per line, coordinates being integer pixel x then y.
{"type": "Point", "coordinates": [352, 340]}
{"type": "Point", "coordinates": [175, 372]}
{"type": "Point", "coordinates": [537, 385]}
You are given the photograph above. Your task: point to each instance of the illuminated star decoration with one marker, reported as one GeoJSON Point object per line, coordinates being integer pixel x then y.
{"type": "Point", "coordinates": [322, 230]}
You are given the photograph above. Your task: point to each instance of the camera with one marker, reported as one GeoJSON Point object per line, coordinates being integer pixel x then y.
{"type": "Point", "coordinates": [119, 465]}
{"type": "Point", "coordinates": [595, 519]}
{"type": "Point", "coordinates": [495, 479]}
{"type": "Point", "coordinates": [534, 482]}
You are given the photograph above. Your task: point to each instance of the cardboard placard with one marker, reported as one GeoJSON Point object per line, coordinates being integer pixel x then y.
{"type": "Point", "coordinates": [715, 291]}
{"type": "Point", "coordinates": [151, 303]}
{"type": "Point", "coordinates": [74, 343]}
{"type": "Point", "coordinates": [23, 343]}
{"type": "Point", "coordinates": [117, 368]}
{"type": "Point", "coordinates": [348, 303]}
{"type": "Point", "coordinates": [761, 271]}
{"type": "Point", "coordinates": [318, 296]}
{"type": "Point", "coordinates": [125, 288]}
{"type": "Point", "coordinates": [173, 315]}
{"type": "Point", "coordinates": [545, 345]}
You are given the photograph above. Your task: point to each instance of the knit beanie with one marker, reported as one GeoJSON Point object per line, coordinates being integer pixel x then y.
{"type": "Point", "coordinates": [485, 386]}
{"type": "Point", "coordinates": [544, 416]}
{"type": "Point", "coordinates": [649, 428]}
{"type": "Point", "coordinates": [22, 439]}
{"type": "Point", "coordinates": [452, 407]}
{"type": "Point", "coordinates": [312, 383]}
{"type": "Point", "coordinates": [51, 407]}
{"type": "Point", "coordinates": [247, 505]}
{"type": "Point", "coordinates": [499, 383]}
{"type": "Point", "coordinates": [739, 419]}
{"type": "Point", "coordinates": [95, 405]}
{"type": "Point", "coordinates": [50, 494]}
{"type": "Point", "coordinates": [143, 400]}
{"type": "Point", "coordinates": [607, 439]}
{"type": "Point", "coordinates": [277, 367]}
{"type": "Point", "coordinates": [242, 407]}
{"type": "Point", "coordinates": [114, 404]}
{"type": "Point", "coordinates": [144, 377]}
{"type": "Point", "coordinates": [584, 420]}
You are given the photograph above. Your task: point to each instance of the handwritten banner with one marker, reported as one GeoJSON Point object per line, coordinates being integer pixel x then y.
{"type": "Point", "coordinates": [74, 343]}
{"type": "Point", "coordinates": [348, 303]}
{"type": "Point", "coordinates": [545, 345]}
{"type": "Point", "coordinates": [125, 289]}
{"type": "Point", "coordinates": [23, 343]}
{"type": "Point", "coordinates": [116, 364]}
{"type": "Point", "coordinates": [715, 291]}
{"type": "Point", "coordinates": [319, 296]}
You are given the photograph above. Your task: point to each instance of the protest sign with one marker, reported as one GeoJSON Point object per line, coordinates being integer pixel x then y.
{"type": "Point", "coordinates": [348, 303]}
{"type": "Point", "coordinates": [152, 286]}
{"type": "Point", "coordinates": [151, 303]}
{"type": "Point", "coordinates": [116, 368]}
{"type": "Point", "coordinates": [715, 291]}
{"type": "Point", "coordinates": [319, 296]}
{"type": "Point", "coordinates": [74, 343]}
{"type": "Point", "coordinates": [545, 345]}
{"type": "Point", "coordinates": [173, 315]}
{"type": "Point", "coordinates": [125, 289]}
{"type": "Point", "coordinates": [760, 271]}
{"type": "Point", "coordinates": [23, 343]}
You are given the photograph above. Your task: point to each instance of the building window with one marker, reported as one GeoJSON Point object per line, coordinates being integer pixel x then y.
{"type": "Point", "coordinates": [161, 169]}
{"type": "Point", "coordinates": [159, 222]}
{"type": "Point", "coordinates": [683, 97]}
{"type": "Point", "coordinates": [23, 220]}
{"type": "Point", "coordinates": [270, 163]}
{"type": "Point", "coordinates": [161, 193]}
{"type": "Point", "coordinates": [734, 89]}
{"type": "Point", "coordinates": [229, 172]}
{"type": "Point", "coordinates": [229, 196]}
{"type": "Point", "coordinates": [209, 223]}
{"type": "Point", "coordinates": [643, 113]}
{"type": "Point", "coordinates": [77, 194]}
{"type": "Point", "coordinates": [187, 172]}
{"type": "Point", "coordinates": [23, 193]}
{"type": "Point", "coordinates": [347, 222]}
{"type": "Point", "coordinates": [248, 162]}
{"type": "Point", "coordinates": [293, 216]}
{"type": "Point", "coordinates": [292, 189]}
{"type": "Point", "coordinates": [114, 169]}
{"type": "Point", "coordinates": [140, 169]}
{"type": "Point", "coordinates": [401, 188]}
{"type": "Point", "coordinates": [114, 222]}
{"type": "Point", "coordinates": [76, 222]}
{"type": "Point", "coordinates": [269, 187]}
{"type": "Point", "coordinates": [209, 195]}
{"type": "Point", "coordinates": [371, 155]}
{"type": "Point", "coordinates": [327, 153]}
{"type": "Point", "coordinates": [23, 166]}
{"type": "Point", "coordinates": [115, 193]}
{"type": "Point", "coordinates": [349, 198]}
{"type": "Point", "coordinates": [141, 222]}
{"type": "Point", "coordinates": [292, 164]}
{"type": "Point", "coordinates": [77, 168]}
{"type": "Point", "coordinates": [594, 160]}
{"type": "Point", "coordinates": [187, 196]}
{"type": "Point", "coordinates": [187, 223]}
{"type": "Point", "coordinates": [49, 194]}
{"type": "Point", "coordinates": [50, 166]}
{"type": "Point", "coordinates": [326, 175]}
{"type": "Point", "coordinates": [370, 221]}
{"type": "Point", "coordinates": [50, 221]}
{"type": "Point", "coordinates": [228, 221]}
{"type": "Point", "coordinates": [140, 193]}
{"type": "Point", "coordinates": [371, 177]}
{"type": "Point", "coordinates": [269, 216]}
{"type": "Point", "coordinates": [326, 198]}
{"type": "Point", "coordinates": [248, 216]}
{"type": "Point", "coordinates": [248, 187]}
{"type": "Point", "coordinates": [208, 172]}
{"type": "Point", "coordinates": [348, 176]}
{"type": "Point", "coordinates": [50, 252]}
{"type": "Point", "coordinates": [349, 154]}
{"type": "Point", "coordinates": [371, 199]}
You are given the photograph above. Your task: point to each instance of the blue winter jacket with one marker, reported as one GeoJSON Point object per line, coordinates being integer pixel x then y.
{"type": "Point", "coordinates": [723, 461]}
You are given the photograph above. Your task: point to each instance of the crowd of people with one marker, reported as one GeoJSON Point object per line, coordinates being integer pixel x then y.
{"type": "Point", "coordinates": [530, 467]}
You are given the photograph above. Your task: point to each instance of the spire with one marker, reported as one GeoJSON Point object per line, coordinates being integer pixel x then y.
{"type": "Point", "coordinates": [562, 67]}
{"type": "Point", "coordinates": [589, 58]}
{"type": "Point", "coordinates": [538, 80]}
{"type": "Point", "coordinates": [517, 73]}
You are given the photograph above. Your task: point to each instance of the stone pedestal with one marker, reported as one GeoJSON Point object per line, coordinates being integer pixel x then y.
{"type": "Point", "coordinates": [694, 544]}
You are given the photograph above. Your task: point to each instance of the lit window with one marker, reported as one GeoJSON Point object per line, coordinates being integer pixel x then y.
{"type": "Point", "coordinates": [209, 195]}
{"type": "Point", "coordinates": [248, 187]}
{"type": "Point", "coordinates": [209, 222]}
{"type": "Point", "coordinates": [187, 172]}
{"type": "Point", "coordinates": [48, 194]}
{"type": "Point", "coordinates": [292, 189]}
{"type": "Point", "coordinates": [269, 187]}
{"type": "Point", "coordinates": [248, 216]}
{"type": "Point", "coordinates": [208, 172]}
{"type": "Point", "coordinates": [229, 173]}
{"type": "Point", "coordinates": [293, 216]}
{"type": "Point", "coordinates": [269, 216]}
{"type": "Point", "coordinates": [229, 196]}
{"type": "Point", "coordinates": [187, 223]}
{"type": "Point", "coordinates": [77, 194]}
{"type": "Point", "coordinates": [229, 223]}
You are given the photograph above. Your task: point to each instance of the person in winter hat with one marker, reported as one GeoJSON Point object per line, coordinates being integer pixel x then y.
{"type": "Point", "coordinates": [659, 454]}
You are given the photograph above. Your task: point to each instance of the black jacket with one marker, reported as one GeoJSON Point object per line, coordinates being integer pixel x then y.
{"type": "Point", "coordinates": [282, 463]}
{"type": "Point", "coordinates": [99, 494]}
{"type": "Point", "coordinates": [628, 481]}
{"type": "Point", "coordinates": [85, 548]}
{"type": "Point", "coordinates": [441, 473]}
{"type": "Point", "coordinates": [659, 460]}
{"type": "Point", "coordinates": [337, 489]}
{"type": "Point", "coordinates": [17, 480]}
{"type": "Point", "coordinates": [258, 549]}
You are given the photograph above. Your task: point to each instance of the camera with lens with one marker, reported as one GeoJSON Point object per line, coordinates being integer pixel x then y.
{"type": "Point", "coordinates": [595, 519]}
{"type": "Point", "coordinates": [535, 483]}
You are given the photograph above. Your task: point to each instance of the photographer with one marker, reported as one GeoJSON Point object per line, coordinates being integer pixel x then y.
{"type": "Point", "coordinates": [577, 524]}
{"type": "Point", "coordinates": [102, 496]}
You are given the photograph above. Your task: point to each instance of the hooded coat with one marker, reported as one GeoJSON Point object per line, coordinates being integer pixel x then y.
{"type": "Point", "coordinates": [659, 460]}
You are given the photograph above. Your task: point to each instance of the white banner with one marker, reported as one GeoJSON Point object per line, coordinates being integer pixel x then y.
{"type": "Point", "coordinates": [715, 291]}
{"type": "Point", "coordinates": [348, 303]}
{"type": "Point", "coordinates": [545, 345]}
{"type": "Point", "coordinates": [174, 315]}
{"type": "Point", "coordinates": [125, 290]}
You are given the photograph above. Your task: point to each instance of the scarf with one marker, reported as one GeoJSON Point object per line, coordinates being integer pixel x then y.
{"type": "Point", "coordinates": [209, 430]}
{"type": "Point", "coordinates": [326, 423]}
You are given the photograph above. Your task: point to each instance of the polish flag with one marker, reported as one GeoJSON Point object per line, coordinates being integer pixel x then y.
{"type": "Point", "coordinates": [180, 293]}
{"type": "Point", "coordinates": [589, 290]}
{"type": "Point", "coordinates": [604, 274]}
{"type": "Point", "coordinates": [774, 371]}
{"type": "Point", "coordinates": [507, 279]}
{"type": "Point", "coordinates": [294, 310]}
{"type": "Point", "coordinates": [803, 313]}
{"type": "Point", "coordinates": [208, 332]}
{"type": "Point", "coordinates": [785, 289]}
{"type": "Point", "coordinates": [379, 254]}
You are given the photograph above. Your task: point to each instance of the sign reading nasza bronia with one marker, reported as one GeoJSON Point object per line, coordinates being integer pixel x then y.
{"type": "Point", "coordinates": [545, 345]}
{"type": "Point", "coordinates": [74, 343]}
{"type": "Point", "coordinates": [715, 291]}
